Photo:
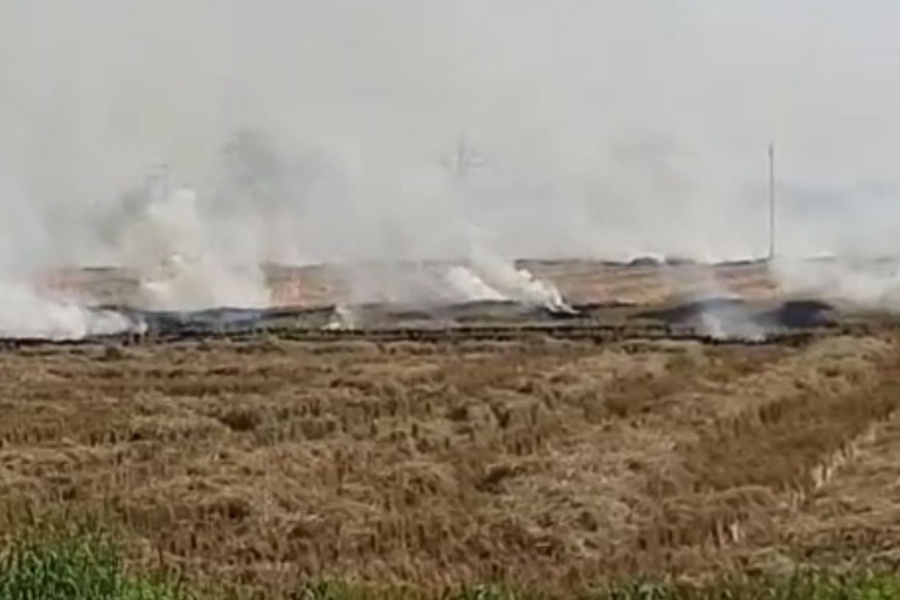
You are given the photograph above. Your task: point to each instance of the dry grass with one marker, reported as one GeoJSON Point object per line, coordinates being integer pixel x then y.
{"type": "Point", "coordinates": [579, 281]}
{"type": "Point", "coordinates": [549, 464]}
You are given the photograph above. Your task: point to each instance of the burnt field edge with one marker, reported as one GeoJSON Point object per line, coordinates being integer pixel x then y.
{"type": "Point", "coordinates": [712, 320]}
{"type": "Point", "coordinates": [599, 334]}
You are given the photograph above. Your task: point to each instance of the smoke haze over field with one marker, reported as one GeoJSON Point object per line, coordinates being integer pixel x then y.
{"type": "Point", "coordinates": [606, 128]}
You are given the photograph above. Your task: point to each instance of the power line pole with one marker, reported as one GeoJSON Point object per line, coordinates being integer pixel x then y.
{"type": "Point", "coordinates": [771, 201]}
{"type": "Point", "coordinates": [464, 160]}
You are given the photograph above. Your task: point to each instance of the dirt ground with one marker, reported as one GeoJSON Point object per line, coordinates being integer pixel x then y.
{"type": "Point", "coordinates": [579, 281]}
{"type": "Point", "coordinates": [537, 462]}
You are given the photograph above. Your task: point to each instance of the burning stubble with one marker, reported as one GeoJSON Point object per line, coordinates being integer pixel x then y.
{"type": "Point", "coordinates": [312, 131]}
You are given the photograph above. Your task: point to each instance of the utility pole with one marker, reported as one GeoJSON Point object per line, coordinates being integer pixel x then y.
{"type": "Point", "coordinates": [771, 201]}
{"type": "Point", "coordinates": [157, 182]}
{"type": "Point", "coordinates": [464, 159]}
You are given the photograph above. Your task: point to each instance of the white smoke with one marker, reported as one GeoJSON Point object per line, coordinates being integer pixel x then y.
{"type": "Point", "coordinates": [485, 277]}
{"type": "Point", "coordinates": [867, 284]}
{"type": "Point", "coordinates": [730, 322]}
{"type": "Point", "coordinates": [27, 314]}
{"type": "Point", "coordinates": [343, 318]}
{"type": "Point", "coordinates": [362, 99]}
{"type": "Point", "coordinates": [26, 311]}
{"type": "Point", "coordinates": [470, 287]}
{"type": "Point", "coordinates": [603, 129]}
{"type": "Point", "coordinates": [722, 315]}
{"type": "Point", "coordinates": [515, 284]}
{"type": "Point", "coordinates": [181, 265]}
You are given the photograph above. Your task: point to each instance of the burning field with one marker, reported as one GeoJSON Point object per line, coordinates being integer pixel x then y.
{"type": "Point", "coordinates": [465, 300]}
{"type": "Point", "coordinates": [548, 426]}
{"type": "Point", "coordinates": [547, 447]}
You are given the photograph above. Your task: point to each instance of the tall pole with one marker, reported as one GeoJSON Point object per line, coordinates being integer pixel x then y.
{"type": "Point", "coordinates": [771, 201]}
{"type": "Point", "coordinates": [462, 158]}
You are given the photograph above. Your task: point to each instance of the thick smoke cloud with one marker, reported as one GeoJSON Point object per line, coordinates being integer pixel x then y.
{"type": "Point", "coordinates": [320, 130]}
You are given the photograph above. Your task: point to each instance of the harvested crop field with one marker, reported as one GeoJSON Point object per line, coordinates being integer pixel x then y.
{"type": "Point", "coordinates": [543, 463]}
{"type": "Point", "coordinates": [581, 281]}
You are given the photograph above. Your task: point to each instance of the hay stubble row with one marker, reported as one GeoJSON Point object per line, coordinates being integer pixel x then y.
{"type": "Point", "coordinates": [545, 462]}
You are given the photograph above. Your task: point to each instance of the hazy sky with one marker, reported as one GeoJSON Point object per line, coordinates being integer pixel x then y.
{"type": "Point", "coordinates": [607, 127]}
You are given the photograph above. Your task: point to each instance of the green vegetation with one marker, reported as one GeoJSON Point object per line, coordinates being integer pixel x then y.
{"type": "Point", "coordinates": [89, 566]}
{"type": "Point", "coordinates": [82, 566]}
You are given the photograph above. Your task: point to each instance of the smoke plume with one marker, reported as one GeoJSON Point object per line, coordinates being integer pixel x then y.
{"type": "Point", "coordinates": [321, 131]}
{"type": "Point", "coordinates": [721, 315]}
{"type": "Point", "coordinates": [866, 283]}
{"type": "Point", "coordinates": [182, 265]}
{"type": "Point", "coordinates": [27, 314]}
{"type": "Point", "coordinates": [471, 287]}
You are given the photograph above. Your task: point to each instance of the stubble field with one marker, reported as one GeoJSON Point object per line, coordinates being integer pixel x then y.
{"type": "Point", "coordinates": [539, 463]}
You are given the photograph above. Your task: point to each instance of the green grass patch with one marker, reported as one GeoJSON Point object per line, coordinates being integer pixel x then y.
{"type": "Point", "coordinates": [85, 565]}
{"type": "Point", "coordinates": [75, 566]}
